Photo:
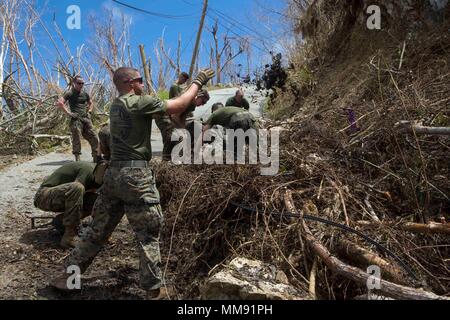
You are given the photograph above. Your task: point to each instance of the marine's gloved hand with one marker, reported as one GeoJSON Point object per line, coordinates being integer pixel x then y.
{"type": "Point", "coordinates": [203, 77]}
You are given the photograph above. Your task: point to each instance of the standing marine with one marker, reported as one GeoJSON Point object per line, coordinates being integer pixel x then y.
{"type": "Point", "coordinates": [80, 109]}
{"type": "Point", "coordinates": [129, 183]}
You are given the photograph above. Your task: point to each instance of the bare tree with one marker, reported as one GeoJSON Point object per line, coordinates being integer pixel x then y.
{"type": "Point", "coordinates": [110, 40]}
{"type": "Point", "coordinates": [175, 65]}
{"type": "Point", "coordinates": [31, 20]}
{"type": "Point", "coordinates": [226, 51]}
{"type": "Point", "coordinates": [8, 17]}
{"type": "Point", "coordinates": [162, 67]}
{"type": "Point", "coordinates": [4, 47]}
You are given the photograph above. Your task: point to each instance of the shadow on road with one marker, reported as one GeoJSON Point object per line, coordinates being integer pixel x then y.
{"type": "Point", "coordinates": [116, 284]}
{"type": "Point", "coordinates": [42, 239]}
{"type": "Point", "coordinates": [54, 163]}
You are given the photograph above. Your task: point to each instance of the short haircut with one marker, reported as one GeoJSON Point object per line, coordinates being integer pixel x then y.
{"type": "Point", "coordinates": [185, 75]}
{"type": "Point", "coordinates": [203, 93]}
{"type": "Point", "coordinates": [77, 78]}
{"type": "Point", "coordinates": [216, 106]}
{"type": "Point", "coordinates": [239, 92]}
{"type": "Point", "coordinates": [122, 73]}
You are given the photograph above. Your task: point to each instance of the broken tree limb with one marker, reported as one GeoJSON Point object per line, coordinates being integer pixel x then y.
{"type": "Point", "coordinates": [410, 127]}
{"type": "Point", "coordinates": [29, 126]}
{"type": "Point", "coordinates": [49, 136]}
{"type": "Point", "coordinates": [364, 258]}
{"type": "Point", "coordinates": [146, 71]}
{"type": "Point", "coordinates": [166, 55]}
{"type": "Point", "coordinates": [109, 67]}
{"type": "Point", "coordinates": [372, 213]}
{"type": "Point", "coordinates": [429, 228]}
{"type": "Point", "coordinates": [387, 288]}
{"type": "Point", "coordinates": [312, 280]}
{"type": "Point", "coordinates": [197, 40]}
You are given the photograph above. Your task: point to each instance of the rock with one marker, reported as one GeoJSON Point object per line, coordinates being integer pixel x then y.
{"type": "Point", "coordinates": [245, 279]}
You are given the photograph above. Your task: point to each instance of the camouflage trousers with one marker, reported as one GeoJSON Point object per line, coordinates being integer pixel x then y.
{"type": "Point", "coordinates": [104, 136]}
{"type": "Point", "coordinates": [129, 191]}
{"type": "Point", "coordinates": [166, 127]}
{"type": "Point", "coordinates": [83, 127]}
{"type": "Point", "coordinates": [67, 198]}
{"type": "Point", "coordinates": [242, 120]}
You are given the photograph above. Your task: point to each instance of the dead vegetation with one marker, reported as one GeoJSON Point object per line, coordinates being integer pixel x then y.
{"type": "Point", "coordinates": [29, 120]}
{"type": "Point", "coordinates": [343, 159]}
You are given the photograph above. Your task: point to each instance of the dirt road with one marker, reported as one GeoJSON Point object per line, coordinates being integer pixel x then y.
{"type": "Point", "coordinates": [30, 257]}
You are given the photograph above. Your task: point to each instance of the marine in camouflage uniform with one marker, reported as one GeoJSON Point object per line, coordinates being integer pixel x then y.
{"type": "Point", "coordinates": [80, 123]}
{"type": "Point", "coordinates": [64, 191]}
{"type": "Point", "coordinates": [180, 120]}
{"type": "Point", "coordinates": [104, 136]}
{"type": "Point", "coordinates": [128, 190]}
{"type": "Point", "coordinates": [164, 122]}
{"type": "Point", "coordinates": [238, 101]}
{"type": "Point", "coordinates": [183, 120]}
{"type": "Point", "coordinates": [129, 184]}
{"type": "Point", "coordinates": [232, 118]}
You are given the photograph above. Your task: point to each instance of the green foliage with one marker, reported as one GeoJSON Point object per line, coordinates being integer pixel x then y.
{"type": "Point", "coordinates": [163, 94]}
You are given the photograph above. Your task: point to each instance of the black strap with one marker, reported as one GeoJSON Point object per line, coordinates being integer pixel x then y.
{"type": "Point", "coordinates": [340, 226]}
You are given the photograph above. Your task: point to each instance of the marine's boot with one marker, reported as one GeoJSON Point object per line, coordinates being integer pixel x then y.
{"type": "Point", "coordinates": [57, 222]}
{"type": "Point", "coordinates": [77, 157]}
{"type": "Point", "coordinates": [60, 282]}
{"type": "Point", "coordinates": [69, 238]}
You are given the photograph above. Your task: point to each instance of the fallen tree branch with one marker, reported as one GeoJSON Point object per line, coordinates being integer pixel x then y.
{"type": "Point", "coordinates": [312, 280]}
{"type": "Point", "coordinates": [429, 228]}
{"type": "Point", "coordinates": [49, 136]}
{"type": "Point", "coordinates": [334, 264]}
{"type": "Point", "coordinates": [410, 127]}
{"type": "Point", "coordinates": [37, 123]}
{"type": "Point", "coordinates": [372, 213]}
{"type": "Point", "coordinates": [364, 258]}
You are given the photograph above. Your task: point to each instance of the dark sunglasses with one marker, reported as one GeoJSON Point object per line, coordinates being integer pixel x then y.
{"type": "Point", "coordinates": [140, 80]}
{"type": "Point", "coordinates": [80, 83]}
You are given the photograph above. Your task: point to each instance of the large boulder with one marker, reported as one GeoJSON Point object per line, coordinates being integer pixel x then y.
{"type": "Point", "coordinates": [244, 279]}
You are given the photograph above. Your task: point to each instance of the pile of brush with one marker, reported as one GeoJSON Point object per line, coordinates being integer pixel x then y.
{"type": "Point", "coordinates": [367, 150]}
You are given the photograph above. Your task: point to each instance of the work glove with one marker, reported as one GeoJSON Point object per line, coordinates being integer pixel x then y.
{"type": "Point", "coordinates": [203, 77]}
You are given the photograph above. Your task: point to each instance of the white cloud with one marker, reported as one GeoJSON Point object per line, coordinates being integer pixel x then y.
{"type": "Point", "coordinates": [117, 12]}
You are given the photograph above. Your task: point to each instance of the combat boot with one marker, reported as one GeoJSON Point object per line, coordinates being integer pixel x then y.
{"type": "Point", "coordinates": [69, 238]}
{"type": "Point", "coordinates": [57, 222]}
{"type": "Point", "coordinates": [77, 157]}
{"type": "Point", "coordinates": [61, 283]}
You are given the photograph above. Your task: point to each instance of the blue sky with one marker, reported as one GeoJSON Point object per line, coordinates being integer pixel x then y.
{"type": "Point", "coordinates": [257, 15]}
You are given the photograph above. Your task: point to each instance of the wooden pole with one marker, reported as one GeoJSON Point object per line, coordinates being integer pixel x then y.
{"type": "Point", "coordinates": [197, 41]}
{"type": "Point", "coordinates": [148, 83]}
